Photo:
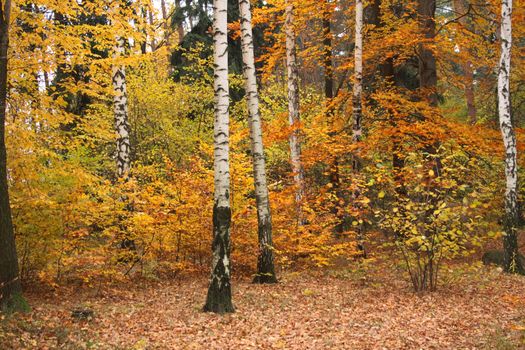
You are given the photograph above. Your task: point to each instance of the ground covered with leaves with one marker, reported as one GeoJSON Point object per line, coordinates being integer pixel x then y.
{"type": "Point", "coordinates": [476, 308]}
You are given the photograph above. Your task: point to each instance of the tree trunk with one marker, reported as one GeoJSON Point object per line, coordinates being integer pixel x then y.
{"type": "Point", "coordinates": [9, 274]}
{"type": "Point", "coordinates": [180, 27]}
{"type": "Point", "coordinates": [329, 113]}
{"type": "Point", "coordinates": [219, 298]}
{"type": "Point", "coordinates": [293, 112]}
{"type": "Point", "coordinates": [153, 42]}
{"type": "Point", "coordinates": [427, 61]}
{"type": "Point", "coordinates": [120, 108]}
{"type": "Point", "coordinates": [265, 267]}
{"type": "Point", "coordinates": [358, 76]}
{"type": "Point", "coordinates": [328, 68]}
{"type": "Point", "coordinates": [468, 71]}
{"type": "Point", "coordinates": [357, 109]}
{"type": "Point", "coordinates": [428, 70]}
{"type": "Point", "coordinates": [512, 263]}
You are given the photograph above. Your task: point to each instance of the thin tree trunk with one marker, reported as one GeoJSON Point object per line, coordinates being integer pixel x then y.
{"type": "Point", "coordinates": [469, 93]}
{"type": "Point", "coordinates": [9, 274]}
{"type": "Point", "coordinates": [329, 112]}
{"type": "Point", "coordinates": [512, 263]}
{"type": "Point", "coordinates": [427, 61]}
{"type": "Point", "coordinates": [180, 27]}
{"type": "Point", "coordinates": [328, 68]}
{"type": "Point", "coordinates": [219, 298]}
{"type": "Point", "coordinates": [357, 109]}
{"type": "Point", "coordinates": [293, 112]}
{"type": "Point", "coordinates": [428, 69]}
{"type": "Point", "coordinates": [144, 43]}
{"type": "Point", "coordinates": [153, 42]}
{"type": "Point", "coordinates": [468, 71]}
{"type": "Point", "coordinates": [122, 127]}
{"type": "Point", "coordinates": [120, 108]}
{"type": "Point", "coordinates": [265, 266]}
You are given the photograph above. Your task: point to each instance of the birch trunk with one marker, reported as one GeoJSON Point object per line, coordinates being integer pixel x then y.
{"type": "Point", "coordinates": [357, 108]}
{"type": "Point", "coordinates": [358, 75]}
{"type": "Point", "coordinates": [219, 298]}
{"type": "Point", "coordinates": [9, 273]}
{"type": "Point", "coordinates": [293, 112]}
{"type": "Point", "coordinates": [510, 243]}
{"type": "Point", "coordinates": [120, 108]}
{"type": "Point", "coordinates": [265, 266]}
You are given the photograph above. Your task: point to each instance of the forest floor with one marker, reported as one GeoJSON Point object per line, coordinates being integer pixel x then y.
{"type": "Point", "coordinates": [475, 308]}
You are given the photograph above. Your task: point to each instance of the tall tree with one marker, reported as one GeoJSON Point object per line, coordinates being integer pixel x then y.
{"type": "Point", "coordinates": [427, 70]}
{"type": "Point", "coordinates": [329, 110]}
{"type": "Point", "coordinates": [122, 127]}
{"type": "Point", "coordinates": [328, 64]}
{"type": "Point", "coordinates": [357, 104]}
{"type": "Point", "coordinates": [468, 70]}
{"type": "Point", "coordinates": [219, 298]}
{"type": "Point", "coordinates": [512, 262]}
{"type": "Point", "coordinates": [180, 26]}
{"type": "Point", "coordinates": [9, 280]}
{"type": "Point", "coordinates": [426, 11]}
{"type": "Point", "coordinates": [293, 110]}
{"type": "Point", "coordinates": [120, 108]}
{"type": "Point", "coordinates": [265, 266]}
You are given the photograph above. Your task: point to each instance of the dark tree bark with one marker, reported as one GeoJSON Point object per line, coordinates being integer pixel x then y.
{"type": "Point", "coordinates": [327, 47]}
{"type": "Point", "coordinates": [219, 298]}
{"type": "Point", "coordinates": [180, 27]}
{"type": "Point", "coordinates": [426, 11]}
{"type": "Point", "coordinates": [9, 274]}
{"type": "Point", "coordinates": [329, 112]}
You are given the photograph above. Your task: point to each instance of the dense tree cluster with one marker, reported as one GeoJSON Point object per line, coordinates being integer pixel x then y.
{"type": "Point", "coordinates": [135, 135]}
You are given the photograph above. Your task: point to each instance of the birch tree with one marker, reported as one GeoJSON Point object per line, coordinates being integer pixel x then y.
{"type": "Point", "coordinates": [120, 109]}
{"type": "Point", "coordinates": [9, 280]}
{"type": "Point", "coordinates": [219, 298]}
{"type": "Point", "coordinates": [358, 75]}
{"type": "Point", "coordinates": [510, 242]}
{"type": "Point", "coordinates": [293, 110]}
{"type": "Point", "coordinates": [265, 266]}
{"type": "Point", "coordinates": [122, 128]}
{"type": "Point", "coordinates": [357, 104]}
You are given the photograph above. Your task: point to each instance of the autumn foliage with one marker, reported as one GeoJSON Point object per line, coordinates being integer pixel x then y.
{"type": "Point", "coordinates": [70, 211]}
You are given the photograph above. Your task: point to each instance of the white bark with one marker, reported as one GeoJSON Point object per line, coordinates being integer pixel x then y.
{"type": "Point", "coordinates": [265, 263]}
{"type": "Point", "coordinates": [358, 71]}
{"type": "Point", "coordinates": [120, 107]}
{"type": "Point", "coordinates": [507, 130]}
{"type": "Point", "coordinates": [222, 102]}
{"type": "Point", "coordinates": [512, 262]}
{"type": "Point", "coordinates": [293, 110]}
{"type": "Point", "coordinates": [219, 292]}
{"type": "Point", "coordinates": [357, 108]}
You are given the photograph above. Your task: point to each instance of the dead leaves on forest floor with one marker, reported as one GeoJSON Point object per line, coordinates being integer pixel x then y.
{"type": "Point", "coordinates": [480, 310]}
